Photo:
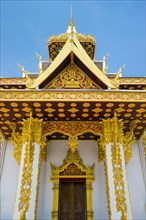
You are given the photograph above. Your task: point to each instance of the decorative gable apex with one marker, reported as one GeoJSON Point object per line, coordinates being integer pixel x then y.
{"type": "Point", "coordinates": [72, 53]}
{"type": "Point", "coordinates": [72, 77]}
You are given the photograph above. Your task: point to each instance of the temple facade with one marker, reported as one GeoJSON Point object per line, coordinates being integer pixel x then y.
{"type": "Point", "coordinates": [73, 140]}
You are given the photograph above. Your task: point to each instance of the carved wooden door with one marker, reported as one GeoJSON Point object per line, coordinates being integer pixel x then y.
{"type": "Point", "coordinates": [72, 200]}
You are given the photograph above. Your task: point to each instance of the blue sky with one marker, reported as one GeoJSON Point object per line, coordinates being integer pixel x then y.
{"type": "Point", "coordinates": [118, 26]}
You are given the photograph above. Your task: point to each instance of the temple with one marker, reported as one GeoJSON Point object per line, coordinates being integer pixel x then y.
{"type": "Point", "coordinates": [72, 135]}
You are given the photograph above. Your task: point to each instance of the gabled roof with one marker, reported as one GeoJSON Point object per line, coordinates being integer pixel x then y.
{"type": "Point", "coordinates": [72, 51]}
{"type": "Point", "coordinates": [56, 43]}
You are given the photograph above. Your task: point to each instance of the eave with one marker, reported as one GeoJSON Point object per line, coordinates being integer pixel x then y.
{"type": "Point", "coordinates": [72, 105]}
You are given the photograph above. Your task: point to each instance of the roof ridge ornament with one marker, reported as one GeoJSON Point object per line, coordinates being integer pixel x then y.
{"type": "Point", "coordinates": [39, 57]}
{"type": "Point", "coordinates": [71, 28]}
{"type": "Point", "coordinates": [25, 73]}
{"type": "Point", "coordinates": [72, 25]}
{"type": "Point", "coordinates": [105, 66]}
{"type": "Point", "coordinates": [71, 20]}
{"type": "Point", "coordinates": [40, 63]}
{"type": "Point", "coordinates": [116, 80]}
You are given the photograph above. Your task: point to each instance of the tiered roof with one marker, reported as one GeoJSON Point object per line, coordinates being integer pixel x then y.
{"type": "Point", "coordinates": [71, 86]}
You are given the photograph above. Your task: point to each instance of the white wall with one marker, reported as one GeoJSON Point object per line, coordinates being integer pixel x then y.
{"type": "Point", "coordinates": [136, 185]}
{"type": "Point", "coordinates": [56, 153]}
{"type": "Point", "coordinates": [8, 183]}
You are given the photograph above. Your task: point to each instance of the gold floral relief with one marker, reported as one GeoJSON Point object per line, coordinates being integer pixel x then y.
{"type": "Point", "coordinates": [72, 165]}
{"type": "Point", "coordinates": [72, 128]}
{"type": "Point", "coordinates": [113, 132]}
{"type": "Point", "coordinates": [72, 77]}
{"type": "Point", "coordinates": [120, 194]}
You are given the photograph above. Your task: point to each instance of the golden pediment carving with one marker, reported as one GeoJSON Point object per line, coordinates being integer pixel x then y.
{"type": "Point", "coordinates": [72, 165]}
{"type": "Point", "coordinates": [72, 77]}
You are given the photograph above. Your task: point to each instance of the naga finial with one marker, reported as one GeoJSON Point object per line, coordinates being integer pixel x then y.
{"type": "Point", "coordinates": [21, 67]}
{"type": "Point", "coordinates": [122, 68]}
{"type": "Point", "coordinates": [39, 57]}
{"type": "Point", "coordinates": [40, 63]}
{"type": "Point", "coordinates": [105, 57]}
{"type": "Point", "coordinates": [23, 70]}
{"type": "Point", "coordinates": [105, 69]}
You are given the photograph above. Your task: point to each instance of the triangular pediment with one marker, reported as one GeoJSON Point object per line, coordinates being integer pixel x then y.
{"type": "Point", "coordinates": [72, 77]}
{"type": "Point", "coordinates": [73, 54]}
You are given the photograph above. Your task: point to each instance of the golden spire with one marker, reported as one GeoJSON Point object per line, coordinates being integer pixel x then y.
{"type": "Point", "coordinates": [71, 25]}
{"type": "Point", "coordinates": [71, 20]}
{"type": "Point", "coordinates": [71, 28]}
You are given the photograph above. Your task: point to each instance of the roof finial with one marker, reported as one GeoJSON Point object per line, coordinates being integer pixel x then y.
{"type": "Point", "coordinates": [71, 20]}
{"type": "Point", "coordinates": [71, 28]}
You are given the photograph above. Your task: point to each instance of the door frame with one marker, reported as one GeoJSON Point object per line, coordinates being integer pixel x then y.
{"type": "Point", "coordinates": [72, 168]}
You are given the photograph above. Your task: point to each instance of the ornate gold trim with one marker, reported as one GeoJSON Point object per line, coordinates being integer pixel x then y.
{"type": "Point", "coordinates": [132, 80]}
{"type": "Point", "coordinates": [13, 81]}
{"type": "Point", "coordinates": [113, 132]}
{"type": "Point", "coordinates": [47, 95]}
{"type": "Point", "coordinates": [123, 80]}
{"type": "Point", "coordinates": [119, 186]}
{"type": "Point", "coordinates": [31, 133]}
{"type": "Point", "coordinates": [64, 37]}
{"type": "Point", "coordinates": [72, 167]}
{"type": "Point", "coordinates": [128, 140]}
{"type": "Point", "coordinates": [72, 128]}
{"type": "Point", "coordinates": [72, 77]}
{"type": "Point", "coordinates": [16, 139]}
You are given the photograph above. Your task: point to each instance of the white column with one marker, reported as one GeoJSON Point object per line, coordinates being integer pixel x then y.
{"type": "Point", "coordinates": [32, 153]}
{"type": "Point", "coordinates": [19, 185]}
{"type": "Point", "coordinates": [32, 211]}
{"type": "Point", "coordinates": [127, 195]}
{"type": "Point", "coordinates": [112, 145]}
{"type": "Point", "coordinates": [110, 178]}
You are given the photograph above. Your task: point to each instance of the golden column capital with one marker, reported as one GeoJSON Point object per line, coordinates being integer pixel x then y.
{"type": "Point", "coordinates": [32, 132]}
{"type": "Point", "coordinates": [113, 129]}
{"type": "Point", "coordinates": [113, 133]}
{"type": "Point", "coordinates": [128, 140]}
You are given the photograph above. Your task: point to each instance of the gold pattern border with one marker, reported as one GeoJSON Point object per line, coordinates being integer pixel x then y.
{"type": "Point", "coordinates": [133, 81]}
{"type": "Point", "coordinates": [16, 81]}
{"type": "Point", "coordinates": [127, 81]}
{"type": "Point", "coordinates": [72, 128]}
{"type": "Point", "coordinates": [108, 95]}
